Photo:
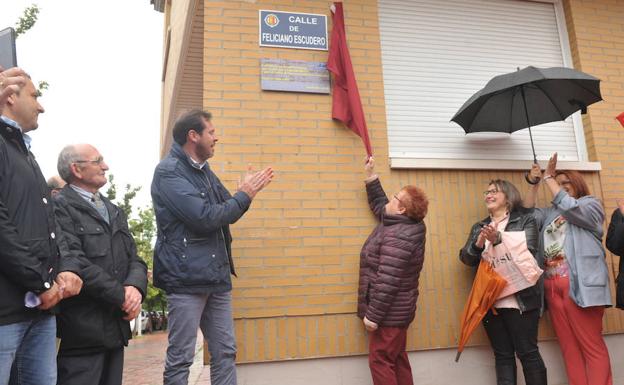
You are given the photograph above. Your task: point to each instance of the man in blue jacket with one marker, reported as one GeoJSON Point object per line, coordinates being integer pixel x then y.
{"type": "Point", "coordinates": [192, 257]}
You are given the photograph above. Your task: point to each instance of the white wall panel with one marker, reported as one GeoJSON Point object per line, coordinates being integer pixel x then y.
{"type": "Point", "coordinates": [437, 53]}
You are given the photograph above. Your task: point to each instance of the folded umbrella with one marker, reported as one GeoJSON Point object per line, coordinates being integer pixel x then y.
{"type": "Point", "coordinates": [486, 287]}
{"type": "Point", "coordinates": [526, 98]}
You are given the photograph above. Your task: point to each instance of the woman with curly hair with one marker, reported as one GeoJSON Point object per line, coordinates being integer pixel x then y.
{"type": "Point", "coordinates": [390, 264]}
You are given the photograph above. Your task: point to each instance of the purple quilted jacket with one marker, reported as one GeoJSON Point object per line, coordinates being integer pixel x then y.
{"type": "Point", "coordinates": [390, 264]}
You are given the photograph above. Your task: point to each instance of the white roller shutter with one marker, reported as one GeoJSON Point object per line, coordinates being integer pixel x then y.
{"type": "Point", "coordinates": [437, 53]}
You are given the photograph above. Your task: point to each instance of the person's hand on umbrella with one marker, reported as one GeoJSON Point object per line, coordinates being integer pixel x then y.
{"type": "Point", "coordinates": [535, 174]}
{"type": "Point", "coordinates": [533, 177]}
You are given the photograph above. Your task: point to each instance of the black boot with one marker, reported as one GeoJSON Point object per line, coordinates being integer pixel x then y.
{"type": "Point", "coordinates": [506, 375]}
{"type": "Point", "coordinates": [535, 376]}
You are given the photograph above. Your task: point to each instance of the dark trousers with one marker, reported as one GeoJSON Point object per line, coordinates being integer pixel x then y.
{"type": "Point", "coordinates": [387, 358]}
{"type": "Point", "coordinates": [513, 333]}
{"type": "Point", "coordinates": [104, 368]}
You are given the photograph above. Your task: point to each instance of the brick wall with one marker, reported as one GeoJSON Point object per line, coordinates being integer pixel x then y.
{"type": "Point", "coordinates": [297, 249]}
{"type": "Point", "coordinates": [597, 38]}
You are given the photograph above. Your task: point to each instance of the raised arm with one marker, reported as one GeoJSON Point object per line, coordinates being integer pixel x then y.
{"type": "Point", "coordinates": [190, 206]}
{"type": "Point", "coordinates": [533, 176]}
{"type": "Point", "coordinates": [377, 198]}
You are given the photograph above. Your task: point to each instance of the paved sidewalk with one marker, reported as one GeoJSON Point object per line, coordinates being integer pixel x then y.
{"type": "Point", "coordinates": [144, 360]}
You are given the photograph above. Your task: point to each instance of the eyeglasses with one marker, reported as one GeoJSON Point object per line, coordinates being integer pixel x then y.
{"type": "Point", "coordinates": [98, 161]}
{"type": "Point", "coordinates": [490, 192]}
{"type": "Point", "coordinates": [397, 198]}
{"type": "Point", "coordinates": [565, 182]}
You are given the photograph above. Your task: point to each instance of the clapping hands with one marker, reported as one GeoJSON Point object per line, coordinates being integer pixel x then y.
{"type": "Point", "coordinates": [254, 181]}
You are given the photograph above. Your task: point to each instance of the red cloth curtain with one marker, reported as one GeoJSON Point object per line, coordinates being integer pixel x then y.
{"type": "Point", "coordinates": [620, 118]}
{"type": "Point", "coordinates": [346, 106]}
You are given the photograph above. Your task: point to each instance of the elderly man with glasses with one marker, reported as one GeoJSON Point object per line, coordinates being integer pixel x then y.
{"type": "Point", "coordinates": [94, 326]}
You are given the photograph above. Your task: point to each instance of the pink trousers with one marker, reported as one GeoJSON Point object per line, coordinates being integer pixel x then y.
{"type": "Point", "coordinates": [579, 331]}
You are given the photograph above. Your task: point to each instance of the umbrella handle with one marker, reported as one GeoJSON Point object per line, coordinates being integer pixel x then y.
{"type": "Point", "coordinates": [526, 113]}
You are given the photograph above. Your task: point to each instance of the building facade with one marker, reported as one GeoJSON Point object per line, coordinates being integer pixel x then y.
{"type": "Point", "coordinates": [416, 62]}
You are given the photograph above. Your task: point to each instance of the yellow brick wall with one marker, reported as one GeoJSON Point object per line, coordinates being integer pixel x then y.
{"type": "Point", "coordinates": [297, 249]}
{"type": "Point", "coordinates": [597, 38]}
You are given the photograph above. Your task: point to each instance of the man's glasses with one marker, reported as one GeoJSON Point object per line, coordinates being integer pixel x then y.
{"type": "Point", "coordinates": [490, 192]}
{"type": "Point", "coordinates": [397, 198]}
{"type": "Point", "coordinates": [98, 161]}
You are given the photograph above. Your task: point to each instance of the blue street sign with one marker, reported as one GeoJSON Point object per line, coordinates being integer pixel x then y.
{"type": "Point", "coordinates": [293, 30]}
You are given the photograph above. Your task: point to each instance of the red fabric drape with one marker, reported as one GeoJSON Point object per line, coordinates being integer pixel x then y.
{"type": "Point", "coordinates": [347, 106]}
{"type": "Point", "coordinates": [620, 118]}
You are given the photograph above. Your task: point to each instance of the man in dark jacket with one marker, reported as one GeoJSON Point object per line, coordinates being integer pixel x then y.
{"type": "Point", "coordinates": [94, 326]}
{"type": "Point", "coordinates": [29, 244]}
{"type": "Point", "coordinates": [192, 258]}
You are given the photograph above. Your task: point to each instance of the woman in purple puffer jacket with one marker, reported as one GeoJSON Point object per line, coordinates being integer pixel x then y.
{"type": "Point", "coordinates": [390, 264]}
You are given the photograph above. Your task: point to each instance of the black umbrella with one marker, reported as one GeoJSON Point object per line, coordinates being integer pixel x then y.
{"type": "Point", "coordinates": [530, 96]}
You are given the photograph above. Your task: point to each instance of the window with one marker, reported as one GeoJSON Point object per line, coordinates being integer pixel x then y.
{"type": "Point", "coordinates": [436, 54]}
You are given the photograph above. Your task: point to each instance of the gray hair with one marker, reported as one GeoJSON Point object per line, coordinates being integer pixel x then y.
{"type": "Point", "coordinates": [68, 155]}
{"type": "Point", "coordinates": [514, 199]}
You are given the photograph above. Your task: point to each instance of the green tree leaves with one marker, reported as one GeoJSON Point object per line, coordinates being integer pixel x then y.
{"type": "Point", "coordinates": [27, 20]}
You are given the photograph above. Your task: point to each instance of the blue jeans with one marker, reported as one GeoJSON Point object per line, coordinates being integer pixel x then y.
{"type": "Point", "coordinates": [213, 315]}
{"type": "Point", "coordinates": [28, 352]}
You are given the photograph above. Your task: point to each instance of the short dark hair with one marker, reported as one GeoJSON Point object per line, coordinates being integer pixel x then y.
{"type": "Point", "coordinates": [417, 205]}
{"type": "Point", "coordinates": [577, 181]}
{"type": "Point", "coordinates": [191, 120]}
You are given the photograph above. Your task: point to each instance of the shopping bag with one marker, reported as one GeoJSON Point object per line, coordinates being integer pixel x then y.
{"type": "Point", "coordinates": [513, 261]}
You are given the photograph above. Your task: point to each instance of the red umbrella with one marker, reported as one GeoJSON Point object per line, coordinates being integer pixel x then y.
{"type": "Point", "coordinates": [486, 287]}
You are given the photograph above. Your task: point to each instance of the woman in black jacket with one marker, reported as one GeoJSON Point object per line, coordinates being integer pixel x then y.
{"type": "Point", "coordinates": [514, 330]}
{"type": "Point", "coordinates": [615, 244]}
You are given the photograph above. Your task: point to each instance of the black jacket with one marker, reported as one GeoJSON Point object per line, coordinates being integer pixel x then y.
{"type": "Point", "coordinates": [29, 254]}
{"type": "Point", "coordinates": [193, 212]}
{"type": "Point", "coordinates": [92, 321]}
{"type": "Point", "coordinates": [531, 297]}
{"type": "Point", "coordinates": [615, 244]}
